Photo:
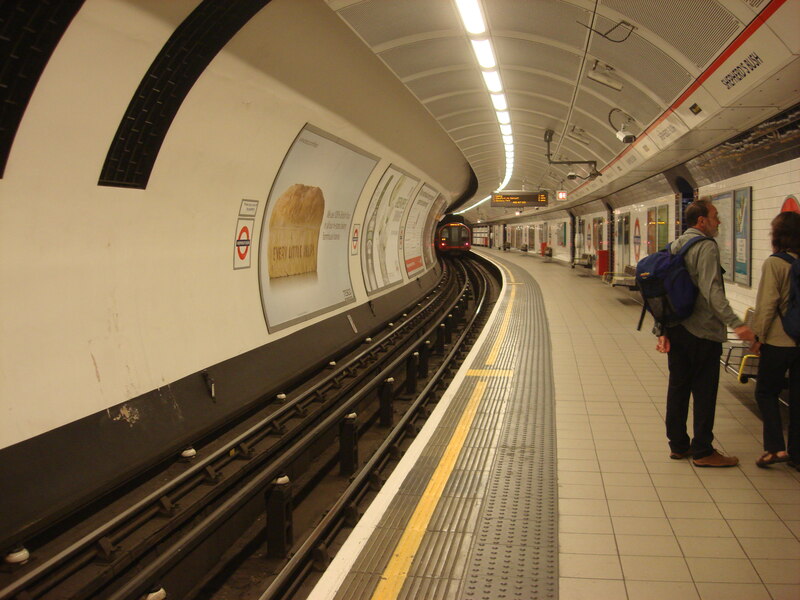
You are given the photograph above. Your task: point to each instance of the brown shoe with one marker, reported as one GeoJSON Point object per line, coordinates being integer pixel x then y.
{"type": "Point", "coordinates": [680, 455]}
{"type": "Point", "coordinates": [715, 459]}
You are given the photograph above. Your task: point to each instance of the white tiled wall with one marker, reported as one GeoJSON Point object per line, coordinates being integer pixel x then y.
{"type": "Point", "coordinates": [770, 186]}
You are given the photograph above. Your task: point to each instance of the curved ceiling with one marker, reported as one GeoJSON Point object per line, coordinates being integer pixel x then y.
{"type": "Point", "coordinates": [550, 55]}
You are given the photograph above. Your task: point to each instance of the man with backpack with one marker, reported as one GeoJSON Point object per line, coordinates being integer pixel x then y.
{"type": "Point", "coordinates": [694, 345]}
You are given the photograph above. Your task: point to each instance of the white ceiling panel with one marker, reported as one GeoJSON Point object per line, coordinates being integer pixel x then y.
{"type": "Point", "coordinates": [654, 51]}
{"type": "Point", "coordinates": [470, 117]}
{"type": "Point", "coordinates": [379, 22]}
{"type": "Point", "coordinates": [537, 56]}
{"type": "Point", "coordinates": [429, 55]}
{"type": "Point", "coordinates": [518, 81]}
{"type": "Point", "coordinates": [458, 102]}
{"type": "Point", "coordinates": [447, 84]}
{"type": "Point", "coordinates": [545, 18]}
{"type": "Point", "coordinates": [638, 60]}
{"type": "Point", "coordinates": [696, 28]}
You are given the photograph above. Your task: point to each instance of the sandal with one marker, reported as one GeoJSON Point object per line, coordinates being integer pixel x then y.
{"type": "Point", "coordinates": [770, 458]}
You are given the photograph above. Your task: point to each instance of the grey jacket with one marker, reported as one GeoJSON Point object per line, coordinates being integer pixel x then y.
{"type": "Point", "coordinates": [712, 311]}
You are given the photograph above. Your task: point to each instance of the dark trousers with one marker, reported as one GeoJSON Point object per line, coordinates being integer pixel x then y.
{"type": "Point", "coordinates": [772, 366]}
{"type": "Point", "coordinates": [693, 370]}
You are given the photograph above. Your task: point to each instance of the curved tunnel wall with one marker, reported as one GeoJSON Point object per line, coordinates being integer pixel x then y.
{"type": "Point", "coordinates": [117, 299]}
{"type": "Point", "coordinates": [120, 291]}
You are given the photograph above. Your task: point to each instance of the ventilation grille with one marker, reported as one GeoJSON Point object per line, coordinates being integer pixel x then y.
{"type": "Point", "coordinates": [382, 21]}
{"type": "Point", "coordinates": [641, 61]}
{"type": "Point", "coordinates": [29, 33]}
{"type": "Point", "coordinates": [702, 27]}
{"type": "Point", "coordinates": [177, 67]}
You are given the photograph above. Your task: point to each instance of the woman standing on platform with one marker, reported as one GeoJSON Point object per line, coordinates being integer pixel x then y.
{"type": "Point", "coordinates": [778, 351]}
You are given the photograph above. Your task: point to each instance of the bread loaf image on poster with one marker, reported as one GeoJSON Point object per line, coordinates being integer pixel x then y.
{"type": "Point", "coordinates": [294, 231]}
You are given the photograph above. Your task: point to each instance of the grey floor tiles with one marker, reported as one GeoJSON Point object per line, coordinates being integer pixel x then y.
{"type": "Point", "coordinates": [635, 525]}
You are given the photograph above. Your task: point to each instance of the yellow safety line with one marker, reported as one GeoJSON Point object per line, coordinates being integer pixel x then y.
{"type": "Point", "coordinates": [395, 573]}
{"type": "Point", "coordinates": [502, 333]}
{"type": "Point", "coordinates": [490, 373]}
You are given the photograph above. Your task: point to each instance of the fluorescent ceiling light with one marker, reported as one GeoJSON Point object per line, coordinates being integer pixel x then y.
{"type": "Point", "coordinates": [505, 129]}
{"type": "Point", "coordinates": [503, 117]}
{"type": "Point", "coordinates": [507, 139]}
{"type": "Point", "coordinates": [509, 147]}
{"type": "Point", "coordinates": [461, 212]}
{"type": "Point", "coordinates": [484, 53]}
{"type": "Point", "coordinates": [499, 101]}
{"type": "Point", "coordinates": [470, 11]}
{"type": "Point", "coordinates": [492, 79]}
{"type": "Point", "coordinates": [509, 173]}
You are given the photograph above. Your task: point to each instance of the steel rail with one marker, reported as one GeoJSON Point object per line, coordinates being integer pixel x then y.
{"type": "Point", "coordinates": [288, 576]}
{"type": "Point", "coordinates": [171, 555]}
{"type": "Point", "coordinates": [195, 470]}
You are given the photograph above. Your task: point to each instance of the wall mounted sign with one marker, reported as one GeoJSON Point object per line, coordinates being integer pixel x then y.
{"type": "Point", "coordinates": [244, 239]}
{"type": "Point", "coordinates": [519, 199]}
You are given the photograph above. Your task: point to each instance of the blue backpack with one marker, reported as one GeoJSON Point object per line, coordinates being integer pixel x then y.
{"type": "Point", "coordinates": [668, 291]}
{"type": "Point", "coordinates": [791, 320]}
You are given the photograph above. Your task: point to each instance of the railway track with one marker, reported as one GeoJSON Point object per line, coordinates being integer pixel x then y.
{"type": "Point", "coordinates": [281, 486]}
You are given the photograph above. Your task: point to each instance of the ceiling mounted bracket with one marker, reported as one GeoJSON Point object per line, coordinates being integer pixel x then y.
{"type": "Point", "coordinates": [627, 30]}
{"type": "Point", "coordinates": [593, 172]}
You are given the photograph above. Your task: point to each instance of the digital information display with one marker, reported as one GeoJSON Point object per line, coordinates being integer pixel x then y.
{"type": "Point", "coordinates": [519, 199]}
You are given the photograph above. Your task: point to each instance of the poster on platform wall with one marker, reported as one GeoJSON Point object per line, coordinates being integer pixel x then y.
{"type": "Point", "coordinates": [380, 259]}
{"type": "Point", "coordinates": [724, 204]}
{"type": "Point", "coordinates": [304, 243]}
{"type": "Point", "coordinates": [741, 233]}
{"type": "Point", "coordinates": [434, 216]}
{"type": "Point", "coordinates": [415, 230]}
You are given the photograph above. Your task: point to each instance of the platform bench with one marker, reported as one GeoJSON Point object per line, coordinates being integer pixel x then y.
{"type": "Point", "coordinates": [585, 260]}
{"type": "Point", "coordinates": [626, 279]}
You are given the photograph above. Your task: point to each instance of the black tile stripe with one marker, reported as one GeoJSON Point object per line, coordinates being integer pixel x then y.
{"type": "Point", "coordinates": [29, 33]}
{"type": "Point", "coordinates": [163, 88]}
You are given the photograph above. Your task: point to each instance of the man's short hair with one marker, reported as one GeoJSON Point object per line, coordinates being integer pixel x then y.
{"type": "Point", "coordinates": [697, 209]}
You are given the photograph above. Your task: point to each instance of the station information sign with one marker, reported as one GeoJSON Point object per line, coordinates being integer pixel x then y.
{"type": "Point", "coordinates": [519, 199]}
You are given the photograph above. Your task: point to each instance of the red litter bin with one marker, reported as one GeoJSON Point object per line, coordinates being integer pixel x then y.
{"type": "Point", "coordinates": [601, 264]}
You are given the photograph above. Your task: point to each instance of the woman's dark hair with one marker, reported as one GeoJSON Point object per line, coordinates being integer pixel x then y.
{"type": "Point", "coordinates": [697, 209]}
{"type": "Point", "coordinates": [786, 232]}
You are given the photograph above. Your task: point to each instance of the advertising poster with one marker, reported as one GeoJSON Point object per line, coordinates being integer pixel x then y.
{"type": "Point", "coordinates": [724, 204]}
{"type": "Point", "coordinates": [415, 230]}
{"type": "Point", "coordinates": [305, 235]}
{"type": "Point", "coordinates": [380, 258]}
{"type": "Point", "coordinates": [741, 233]}
{"type": "Point", "coordinates": [434, 216]}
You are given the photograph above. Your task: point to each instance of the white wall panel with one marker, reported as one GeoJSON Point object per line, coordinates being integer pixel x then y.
{"type": "Point", "coordinates": [120, 291]}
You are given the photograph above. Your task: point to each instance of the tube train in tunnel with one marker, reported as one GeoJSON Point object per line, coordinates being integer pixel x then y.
{"type": "Point", "coordinates": [453, 236]}
{"type": "Point", "coordinates": [201, 202]}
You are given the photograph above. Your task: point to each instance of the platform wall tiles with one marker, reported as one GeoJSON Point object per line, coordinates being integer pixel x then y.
{"type": "Point", "coordinates": [769, 188]}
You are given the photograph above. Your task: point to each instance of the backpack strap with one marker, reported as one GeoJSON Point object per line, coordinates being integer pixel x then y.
{"type": "Point", "coordinates": [785, 256]}
{"type": "Point", "coordinates": [692, 241]}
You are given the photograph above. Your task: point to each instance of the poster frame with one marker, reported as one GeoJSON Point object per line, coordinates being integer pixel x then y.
{"type": "Point", "coordinates": [724, 203]}
{"type": "Point", "coordinates": [742, 250]}
{"type": "Point", "coordinates": [272, 326]}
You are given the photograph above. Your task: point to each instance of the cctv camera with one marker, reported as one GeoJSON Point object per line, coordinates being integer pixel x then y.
{"type": "Point", "coordinates": [572, 175]}
{"type": "Point", "coordinates": [626, 137]}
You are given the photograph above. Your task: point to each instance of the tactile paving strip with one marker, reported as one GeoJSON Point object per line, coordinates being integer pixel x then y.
{"type": "Point", "coordinates": [515, 547]}
{"type": "Point", "coordinates": [493, 533]}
